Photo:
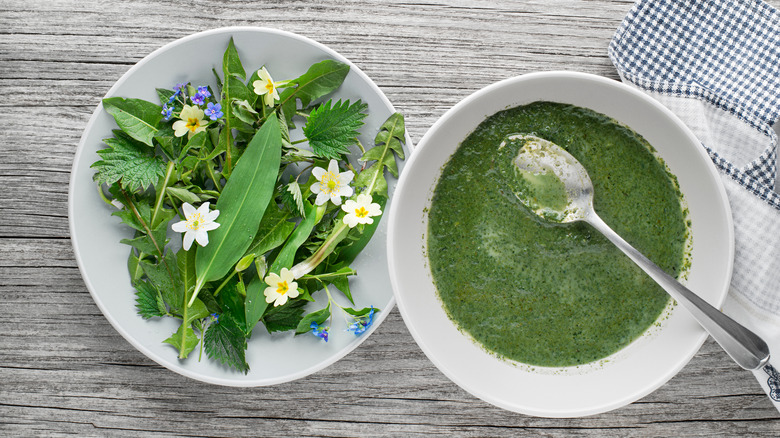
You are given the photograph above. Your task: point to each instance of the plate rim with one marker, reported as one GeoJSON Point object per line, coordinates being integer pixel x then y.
{"type": "Point", "coordinates": [508, 405]}
{"type": "Point", "coordinates": [78, 156]}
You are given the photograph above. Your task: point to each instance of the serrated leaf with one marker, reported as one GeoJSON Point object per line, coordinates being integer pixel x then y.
{"type": "Point", "coordinates": [184, 339]}
{"type": "Point", "coordinates": [295, 190]}
{"type": "Point", "coordinates": [319, 317]}
{"type": "Point", "coordinates": [388, 140]}
{"type": "Point", "coordinates": [225, 342]}
{"type": "Point", "coordinates": [138, 118]}
{"type": "Point", "coordinates": [165, 277]}
{"type": "Point", "coordinates": [286, 317]}
{"type": "Point", "coordinates": [148, 301]}
{"type": "Point", "coordinates": [129, 162]}
{"type": "Point", "coordinates": [320, 80]}
{"type": "Point", "coordinates": [332, 127]}
{"type": "Point", "coordinates": [232, 303]}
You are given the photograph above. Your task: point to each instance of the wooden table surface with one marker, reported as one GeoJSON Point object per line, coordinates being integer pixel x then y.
{"type": "Point", "coordinates": [63, 368]}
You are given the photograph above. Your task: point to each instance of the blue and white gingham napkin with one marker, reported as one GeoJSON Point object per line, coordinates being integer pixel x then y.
{"type": "Point", "coordinates": [716, 64]}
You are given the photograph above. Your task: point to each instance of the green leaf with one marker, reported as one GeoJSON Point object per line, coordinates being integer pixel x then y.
{"type": "Point", "coordinates": [294, 189]}
{"type": "Point", "coordinates": [148, 301]}
{"type": "Point", "coordinates": [184, 340]}
{"type": "Point", "coordinates": [320, 80]}
{"type": "Point", "coordinates": [319, 317]}
{"type": "Point", "coordinates": [225, 342]}
{"type": "Point", "coordinates": [164, 94]}
{"type": "Point", "coordinates": [332, 129]}
{"type": "Point", "coordinates": [388, 140]}
{"type": "Point", "coordinates": [243, 110]}
{"type": "Point", "coordinates": [297, 238]}
{"type": "Point", "coordinates": [361, 312]}
{"type": "Point", "coordinates": [338, 278]}
{"type": "Point", "coordinates": [126, 160]}
{"type": "Point", "coordinates": [350, 250]}
{"type": "Point", "coordinates": [198, 141]}
{"type": "Point", "coordinates": [138, 118]}
{"type": "Point", "coordinates": [242, 204]}
{"type": "Point", "coordinates": [254, 304]}
{"type": "Point", "coordinates": [183, 195]}
{"type": "Point", "coordinates": [165, 277]}
{"type": "Point", "coordinates": [283, 318]}
{"type": "Point", "coordinates": [231, 62]}
{"type": "Point", "coordinates": [149, 244]}
{"type": "Point", "coordinates": [274, 230]}
{"type": "Point", "coordinates": [232, 304]}
{"type": "Point", "coordinates": [233, 89]}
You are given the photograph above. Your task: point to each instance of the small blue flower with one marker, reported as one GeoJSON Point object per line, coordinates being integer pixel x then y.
{"type": "Point", "coordinates": [179, 89]}
{"type": "Point", "coordinates": [215, 317]}
{"type": "Point", "coordinates": [319, 331]}
{"type": "Point", "coordinates": [167, 111]}
{"type": "Point", "coordinates": [214, 111]}
{"type": "Point", "coordinates": [204, 91]}
{"type": "Point", "coordinates": [362, 324]}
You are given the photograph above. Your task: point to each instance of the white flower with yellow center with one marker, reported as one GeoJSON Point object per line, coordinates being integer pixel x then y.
{"type": "Point", "coordinates": [280, 288]}
{"type": "Point", "coordinates": [362, 211]}
{"type": "Point", "coordinates": [196, 225]}
{"type": "Point", "coordinates": [191, 122]}
{"type": "Point", "coordinates": [331, 184]}
{"type": "Point", "coordinates": [266, 87]}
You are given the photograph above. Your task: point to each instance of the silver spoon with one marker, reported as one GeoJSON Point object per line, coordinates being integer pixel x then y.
{"type": "Point", "coordinates": [540, 158]}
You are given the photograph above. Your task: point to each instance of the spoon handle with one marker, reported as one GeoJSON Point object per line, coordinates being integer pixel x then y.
{"type": "Point", "coordinates": [745, 347]}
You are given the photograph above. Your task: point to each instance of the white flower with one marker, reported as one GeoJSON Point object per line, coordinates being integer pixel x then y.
{"type": "Point", "coordinates": [280, 287]}
{"type": "Point", "coordinates": [331, 184]}
{"type": "Point", "coordinates": [266, 87]}
{"type": "Point", "coordinates": [191, 122]}
{"type": "Point", "coordinates": [360, 212]}
{"type": "Point", "coordinates": [197, 224]}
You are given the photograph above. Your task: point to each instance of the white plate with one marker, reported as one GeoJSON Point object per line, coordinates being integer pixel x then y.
{"type": "Point", "coordinates": [630, 373]}
{"type": "Point", "coordinates": [95, 234]}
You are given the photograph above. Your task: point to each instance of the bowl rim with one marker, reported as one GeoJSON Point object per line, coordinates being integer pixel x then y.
{"type": "Point", "coordinates": [424, 143]}
{"type": "Point", "coordinates": [80, 148]}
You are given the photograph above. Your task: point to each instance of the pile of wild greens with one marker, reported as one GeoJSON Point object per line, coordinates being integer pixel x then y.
{"type": "Point", "coordinates": [266, 221]}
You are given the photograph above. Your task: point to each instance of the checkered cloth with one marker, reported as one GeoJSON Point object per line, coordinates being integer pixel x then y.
{"type": "Point", "coordinates": [716, 64]}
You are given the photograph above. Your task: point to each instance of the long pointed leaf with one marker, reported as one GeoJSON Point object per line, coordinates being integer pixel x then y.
{"type": "Point", "coordinates": [242, 204]}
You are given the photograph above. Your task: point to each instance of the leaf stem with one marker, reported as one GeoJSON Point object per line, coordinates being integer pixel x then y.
{"type": "Point", "coordinates": [161, 195]}
{"type": "Point", "coordinates": [336, 236]}
{"type": "Point", "coordinates": [216, 292]}
{"type": "Point", "coordinates": [303, 140]}
{"type": "Point", "coordinates": [214, 178]}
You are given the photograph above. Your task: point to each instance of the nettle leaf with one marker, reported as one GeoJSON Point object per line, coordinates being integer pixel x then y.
{"type": "Point", "coordinates": [332, 128]}
{"type": "Point", "coordinates": [165, 277]}
{"type": "Point", "coordinates": [232, 304]}
{"type": "Point", "coordinates": [320, 316]}
{"type": "Point", "coordinates": [138, 118]}
{"type": "Point", "coordinates": [286, 317]}
{"type": "Point", "coordinates": [225, 342]}
{"type": "Point", "coordinates": [389, 139]}
{"type": "Point", "coordinates": [184, 339]}
{"type": "Point", "coordinates": [148, 301]}
{"type": "Point", "coordinates": [242, 204]}
{"type": "Point", "coordinates": [150, 244]}
{"type": "Point", "coordinates": [320, 80]}
{"type": "Point", "coordinates": [129, 162]}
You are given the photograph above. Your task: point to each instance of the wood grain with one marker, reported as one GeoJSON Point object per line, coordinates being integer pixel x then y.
{"type": "Point", "coordinates": [65, 371]}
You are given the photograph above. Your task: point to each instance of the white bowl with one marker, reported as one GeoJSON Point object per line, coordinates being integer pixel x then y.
{"type": "Point", "coordinates": [625, 376]}
{"type": "Point", "coordinates": [95, 234]}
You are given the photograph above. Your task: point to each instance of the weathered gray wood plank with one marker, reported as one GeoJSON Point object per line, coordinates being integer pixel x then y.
{"type": "Point", "coordinates": [64, 370]}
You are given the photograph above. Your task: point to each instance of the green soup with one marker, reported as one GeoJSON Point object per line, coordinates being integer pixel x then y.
{"type": "Point", "coordinates": [550, 294]}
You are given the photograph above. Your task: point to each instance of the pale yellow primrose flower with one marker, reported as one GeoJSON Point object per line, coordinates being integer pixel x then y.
{"type": "Point", "coordinates": [196, 225]}
{"type": "Point", "coordinates": [360, 212]}
{"type": "Point", "coordinates": [331, 184]}
{"type": "Point", "coordinates": [191, 122]}
{"type": "Point", "coordinates": [281, 287]}
{"type": "Point", "coordinates": [266, 87]}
